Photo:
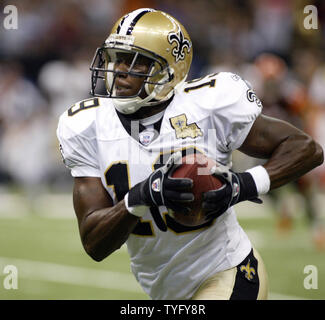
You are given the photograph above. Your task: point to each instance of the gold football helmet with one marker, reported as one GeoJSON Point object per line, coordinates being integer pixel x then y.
{"type": "Point", "coordinates": [144, 33]}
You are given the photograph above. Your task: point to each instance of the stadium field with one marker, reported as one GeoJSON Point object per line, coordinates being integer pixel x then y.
{"type": "Point", "coordinates": [45, 248]}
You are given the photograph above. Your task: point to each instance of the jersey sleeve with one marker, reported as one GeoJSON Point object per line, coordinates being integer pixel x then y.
{"type": "Point", "coordinates": [78, 146]}
{"type": "Point", "coordinates": [236, 108]}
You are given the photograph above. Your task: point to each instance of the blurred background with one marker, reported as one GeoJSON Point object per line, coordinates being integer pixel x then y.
{"type": "Point", "coordinates": [44, 69]}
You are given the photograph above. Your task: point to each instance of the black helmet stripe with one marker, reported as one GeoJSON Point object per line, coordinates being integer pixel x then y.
{"type": "Point", "coordinates": [127, 24]}
{"type": "Point", "coordinates": [121, 23]}
{"type": "Point", "coordinates": [135, 20]}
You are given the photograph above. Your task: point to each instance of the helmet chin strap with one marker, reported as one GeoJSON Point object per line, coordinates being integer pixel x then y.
{"type": "Point", "coordinates": [132, 105]}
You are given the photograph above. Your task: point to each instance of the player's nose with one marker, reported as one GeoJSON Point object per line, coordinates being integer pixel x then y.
{"type": "Point", "coordinates": [121, 69]}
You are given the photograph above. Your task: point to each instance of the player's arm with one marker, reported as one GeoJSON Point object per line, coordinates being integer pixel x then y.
{"type": "Point", "coordinates": [290, 152]}
{"type": "Point", "coordinates": [103, 227]}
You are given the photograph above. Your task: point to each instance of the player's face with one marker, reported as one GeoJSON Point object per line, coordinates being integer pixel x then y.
{"type": "Point", "coordinates": [126, 84]}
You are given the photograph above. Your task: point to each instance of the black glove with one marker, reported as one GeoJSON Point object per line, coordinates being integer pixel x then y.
{"type": "Point", "coordinates": [160, 189]}
{"type": "Point", "coordinates": [237, 187]}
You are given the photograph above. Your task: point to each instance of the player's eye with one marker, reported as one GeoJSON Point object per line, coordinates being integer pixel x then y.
{"type": "Point", "coordinates": [124, 58]}
{"type": "Point", "coordinates": [143, 61]}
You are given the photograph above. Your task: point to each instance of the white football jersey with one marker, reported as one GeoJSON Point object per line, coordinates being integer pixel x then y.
{"type": "Point", "coordinates": [212, 115]}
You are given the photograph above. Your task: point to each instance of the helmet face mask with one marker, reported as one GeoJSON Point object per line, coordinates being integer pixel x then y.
{"type": "Point", "coordinates": [144, 37]}
{"type": "Point", "coordinates": [104, 68]}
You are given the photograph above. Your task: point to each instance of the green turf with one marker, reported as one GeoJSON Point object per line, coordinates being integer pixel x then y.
{"type": "Point", "coordinates": [286, 254]}
{"type": "Point", "coordinates": [56, 241]}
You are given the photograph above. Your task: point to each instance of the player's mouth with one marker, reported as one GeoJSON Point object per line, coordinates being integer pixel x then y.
{"type": "Point", "coordinates": [123, 89]}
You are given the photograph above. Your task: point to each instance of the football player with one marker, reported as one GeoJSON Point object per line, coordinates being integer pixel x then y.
{"type": "Point", "coordinates": [123, 144]}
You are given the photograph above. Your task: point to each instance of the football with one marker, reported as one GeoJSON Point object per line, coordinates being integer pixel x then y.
{"type": "Point", "coordinates": [196, 167]}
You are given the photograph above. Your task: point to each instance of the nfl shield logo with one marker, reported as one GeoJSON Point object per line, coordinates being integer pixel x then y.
{"type": "Point", "coordinates": [156, 185]}
{"type": "Point", "coordinates": [145, 137]}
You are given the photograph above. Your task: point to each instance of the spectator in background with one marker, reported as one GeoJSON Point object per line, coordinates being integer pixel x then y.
{"type": "Point", "coordinates": [284, 92]}
{"type": "Point", "coordinates": [273, 25]}
{"type": "Point", "coordinates": [24, 145]}
{"type": "Point", "coordinates": [64, 81]}
{"type": "Point", "coordinates": [317, 92]}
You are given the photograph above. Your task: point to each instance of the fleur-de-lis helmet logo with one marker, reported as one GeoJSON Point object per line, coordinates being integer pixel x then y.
{"type": "Point", "coordinates": [181, 44]}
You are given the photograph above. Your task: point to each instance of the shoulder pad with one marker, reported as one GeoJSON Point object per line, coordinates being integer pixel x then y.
{"type": "Point", "coordinates": [81, 116]}
{"type": "Point", "coordinates": [215, 90]}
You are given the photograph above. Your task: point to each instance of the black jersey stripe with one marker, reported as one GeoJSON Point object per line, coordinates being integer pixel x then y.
{"type": "Point", "coordinates": [135, 20]}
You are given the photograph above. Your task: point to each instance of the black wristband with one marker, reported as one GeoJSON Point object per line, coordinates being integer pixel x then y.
{"type": "Point", "coordinates": [247, 186]}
